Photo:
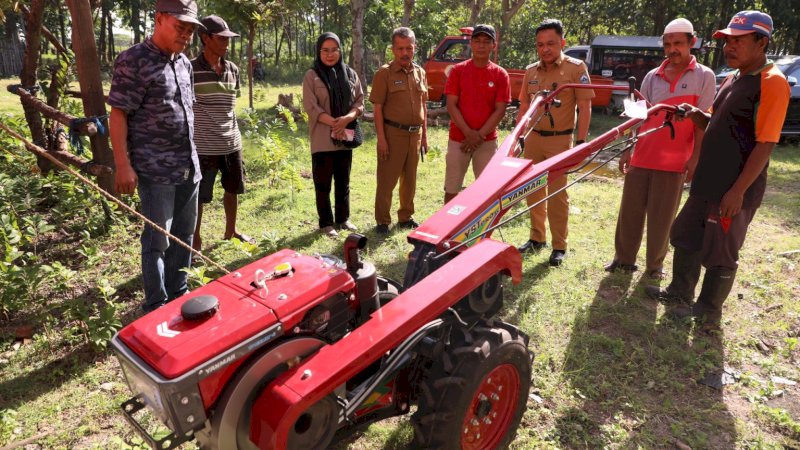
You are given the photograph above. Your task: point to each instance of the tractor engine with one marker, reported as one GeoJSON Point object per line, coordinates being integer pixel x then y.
{"type": "Point", "coordinates": [179, 358]}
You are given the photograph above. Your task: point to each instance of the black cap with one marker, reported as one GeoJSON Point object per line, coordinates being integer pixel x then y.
{"type": "Point", "coordinates": [183, 10]}
{"type": "Point", "coordinates": [484, 29]}
{"type": "Point", "coordinates": [216, 25]}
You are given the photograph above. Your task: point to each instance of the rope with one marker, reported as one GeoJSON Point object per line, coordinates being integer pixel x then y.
{"type": "Point", "coordinates": [74, 134]}
{"type": "Point", "coordinates": [41, 152]}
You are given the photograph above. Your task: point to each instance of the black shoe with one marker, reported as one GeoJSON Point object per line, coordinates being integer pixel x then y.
{"type": "Point", "coordinates": [408, 224]}
{"type": "Point", "coordinates": [531, 246]}
{"type": "Point", "coordinates": [614, 265]}
{"type": "Point", "coordinates": [382, 228]}
{"type": "Point", "coordinates": [557, 257]}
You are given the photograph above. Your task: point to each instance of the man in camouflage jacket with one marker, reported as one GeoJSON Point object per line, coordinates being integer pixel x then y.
{"type": "Point", "coordinates": [151, 129]}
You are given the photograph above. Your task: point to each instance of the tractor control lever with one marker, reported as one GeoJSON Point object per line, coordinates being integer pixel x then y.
{"type": "Point", "coordinates": [556, 102]}
{"type": "Point", "coordinates": [632, 88]}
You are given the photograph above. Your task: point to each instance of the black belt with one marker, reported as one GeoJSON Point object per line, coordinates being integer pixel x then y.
{"type": "Point", "coordinates": [554, 133]}
{"type": "Point", "coordinates": [409, 128]}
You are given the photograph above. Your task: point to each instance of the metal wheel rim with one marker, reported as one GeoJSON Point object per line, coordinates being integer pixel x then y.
{"type": "Point", "coordinates": [491, 409]}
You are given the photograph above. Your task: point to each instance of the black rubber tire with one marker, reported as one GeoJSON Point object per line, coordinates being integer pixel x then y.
{"type": "Point", "coordinates": [446, 394]}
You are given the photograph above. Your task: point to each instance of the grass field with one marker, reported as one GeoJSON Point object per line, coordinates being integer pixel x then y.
{"type": "Point", "coordinates": [609, 370]}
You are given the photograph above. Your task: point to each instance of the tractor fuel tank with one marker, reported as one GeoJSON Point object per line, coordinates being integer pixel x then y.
{"type": "Point", "coordinates": [278, 289]}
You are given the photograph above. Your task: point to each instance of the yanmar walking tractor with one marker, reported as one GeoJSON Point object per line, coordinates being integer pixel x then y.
{"type": "Point", "coordinates": [296, 351]}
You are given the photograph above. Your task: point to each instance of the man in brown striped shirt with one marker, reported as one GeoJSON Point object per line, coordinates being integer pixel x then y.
{"type": "Point", "coordinates": [217, 136]}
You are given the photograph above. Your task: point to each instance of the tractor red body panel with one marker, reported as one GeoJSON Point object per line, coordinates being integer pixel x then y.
{"type": "Point", "coordinates": [173, 346]}
{"type": "Point", "coordinates": [279, 406]}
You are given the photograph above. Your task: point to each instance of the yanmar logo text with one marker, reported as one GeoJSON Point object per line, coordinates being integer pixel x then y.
{"type": "Point", "coordinates": [221, 363]}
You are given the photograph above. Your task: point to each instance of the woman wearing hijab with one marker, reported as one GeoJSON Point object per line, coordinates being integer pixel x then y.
{"type": "Point", "coordinates": [332, 98]}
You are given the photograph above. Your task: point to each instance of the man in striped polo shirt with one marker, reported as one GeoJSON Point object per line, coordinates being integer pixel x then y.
{"type": "Point", "coordinates": [655, 172]}
{"type": "Point", "coordinates": [217, 136]}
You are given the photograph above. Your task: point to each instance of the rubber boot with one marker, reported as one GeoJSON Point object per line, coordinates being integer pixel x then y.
{"type": "Point", "coordinates": [717, 284]}
{"type": "Point", "coordinates": [685, 275]}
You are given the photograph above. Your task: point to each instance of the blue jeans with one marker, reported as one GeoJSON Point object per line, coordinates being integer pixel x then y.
{"type": "Point", "coordinates": [174, 208]}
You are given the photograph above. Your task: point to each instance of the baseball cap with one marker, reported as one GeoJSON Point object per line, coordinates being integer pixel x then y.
{"type": "Point", "coordinates": [746, 22]}
{"type": "Point", "coordinates": [183, 10]}
{"type": "Point", "coordinates": [680, 25]}
{"type": "Point", "coordinates": [484, 29]}
{"type": "Point", "coordinates": [216, 25]}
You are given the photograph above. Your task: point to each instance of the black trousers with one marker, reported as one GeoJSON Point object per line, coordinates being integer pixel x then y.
{"type": "Point", "coordinates": [327, 167]}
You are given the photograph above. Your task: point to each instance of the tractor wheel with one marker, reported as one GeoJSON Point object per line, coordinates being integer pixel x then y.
{"type": "Point", "coordinates": [475, 394]}
{"type": "Point", "coordinates": [230, 422]}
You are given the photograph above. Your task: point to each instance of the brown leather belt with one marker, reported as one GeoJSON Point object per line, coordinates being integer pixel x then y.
{"type": "Point", "coordinates": [543, 133]}
{"type": "Point", "coordinates": [409, 128]}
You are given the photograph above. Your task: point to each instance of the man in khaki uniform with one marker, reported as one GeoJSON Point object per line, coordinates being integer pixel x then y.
{"type": "Point", "coordinates": [552, 131]}
{"type": "Point", "coordinates": [399, 93]}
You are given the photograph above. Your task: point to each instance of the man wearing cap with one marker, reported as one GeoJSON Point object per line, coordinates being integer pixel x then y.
{"type": "Point", "coordinates": [151, 130]}
{"type": "Point", "coordinates": [552, 131]}
{"type": "Point", "coordinates": [477, 92]}
{"type": "Point", "coordinates": [399, 93]}
{"type": "Point", "coordinates": [217, 136]}
{"type": "Point", "coordinates": [741, 129]}
{"type": "Point", "coordinates": [655, 173]}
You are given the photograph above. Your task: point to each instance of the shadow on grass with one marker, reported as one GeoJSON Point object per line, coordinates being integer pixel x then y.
{"type": "Point", "coordinates": [634, 379]}
{"type": "Point", "coordinates": [28, 386]}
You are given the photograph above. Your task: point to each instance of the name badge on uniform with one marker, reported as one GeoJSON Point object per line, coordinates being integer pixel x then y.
{"type": "Point", "coordinates": [398, 82]}
{"type": "Point", "coordinates": [534, 81]}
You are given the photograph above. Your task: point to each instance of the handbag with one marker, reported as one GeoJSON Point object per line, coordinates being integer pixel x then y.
{"type": "Point", "coordinates": [358, 136]}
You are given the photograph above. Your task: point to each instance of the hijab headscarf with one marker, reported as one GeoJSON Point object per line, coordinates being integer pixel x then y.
{"type": "Point", "coordinates": [339, 78]}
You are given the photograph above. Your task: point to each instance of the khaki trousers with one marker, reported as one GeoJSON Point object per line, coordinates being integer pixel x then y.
{"type": "Point", "coordinates": [556, 209]}
{"type": "Point", "coordinates": [401, 166]}
{"type": "Point", "coordinates": [656, 195]}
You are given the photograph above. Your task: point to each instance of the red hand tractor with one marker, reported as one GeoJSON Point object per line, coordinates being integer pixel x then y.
{"type": "Point", "coordinates": [297, 352]}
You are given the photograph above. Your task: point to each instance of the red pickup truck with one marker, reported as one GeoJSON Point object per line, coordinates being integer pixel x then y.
{"type": "Point", "coordinates": [454, 49]}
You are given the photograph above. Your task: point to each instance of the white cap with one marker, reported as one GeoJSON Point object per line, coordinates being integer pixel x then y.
{"type": "Point", "coordinates": [679, 26]}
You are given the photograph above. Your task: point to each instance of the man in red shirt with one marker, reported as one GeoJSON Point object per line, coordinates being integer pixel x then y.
{"type": "Point", "coordinates": [477, 94]}
{"type": "Point", "coordinates": [655, 173]}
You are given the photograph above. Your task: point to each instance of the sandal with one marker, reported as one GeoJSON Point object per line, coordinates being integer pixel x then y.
{"type": "Point", "coordinates": [242, 237]}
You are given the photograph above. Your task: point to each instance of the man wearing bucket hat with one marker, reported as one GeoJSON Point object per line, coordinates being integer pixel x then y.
{"type": "Point", "coordinates": [658, 166]}
{"type": "Point", "coordinates": [741, 129]}
{"type": "Point", "coordinates": [217, 136]}
{"type": "Point", "coordinates": [151, 130]}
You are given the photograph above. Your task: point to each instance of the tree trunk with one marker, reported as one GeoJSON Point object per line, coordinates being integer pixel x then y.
{"type": "Point", "coordinates": [30, 63]}
{"type": "Point", "coordinates": [476, 7]}
{"type": "Point", "coordinates": [278, 44]}
{"type": "Point", "coordinates": [110, 48]}
{"type": "Point", "coordinates": [358, 8]}
{"type": "Point", "coordinates": [251, 34]}
{"type": "Point", "coordinates": [510, 9]}
{"type": "Point", "coordinates": [136, 23]}
{"type": "Point", "coordinates": [408, 7]}
{"type": "Point", "coordinates": [796, 47]}
{"type": "Point", "coordinates": [62, 25]}
{"type": "Point", "coordinates": [101, 43]}
{"type": "Point", "coordinates": [91, 85]}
